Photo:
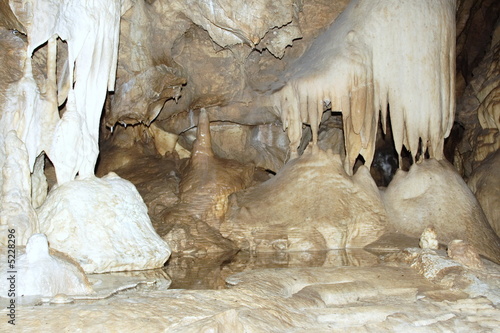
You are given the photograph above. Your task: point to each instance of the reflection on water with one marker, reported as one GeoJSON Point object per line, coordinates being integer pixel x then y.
{"type": "Point", "coordinates": [211, 271]}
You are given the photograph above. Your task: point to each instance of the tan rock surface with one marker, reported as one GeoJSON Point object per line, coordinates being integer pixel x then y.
{"type": "Point", "coordinates": [485, 184]}
{"type": "Point", "coordinates": [193, 223]}
{"type": "Point", "coordinates": [478, 111]}
{"type": "Point", "coordinates": [178, 57]}
{"type": "Point", "coordinates": [311, 204]}
{"type": "Point", "coordinates": [374, 299]}
{"type": "Point", "coordinates": [421, 197]}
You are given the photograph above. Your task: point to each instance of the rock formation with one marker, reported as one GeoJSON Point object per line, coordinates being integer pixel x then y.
{"type": "Point", "coordinates": [420, 197]}
{"type": "Point", "coordinates": [48, 274]}
{"type": "Point", "coordinates": [207, 181]}
{"type": "Point", "coordinates": [485, 184]}
{"type": "Point", "coordinates": [103, 224]}
{"type": "Point", "coordinates": [311, 204]}
{"type": "Point", "coordinates": [348, 69]}
{"type": "Point", "coordinates": [252, 126]}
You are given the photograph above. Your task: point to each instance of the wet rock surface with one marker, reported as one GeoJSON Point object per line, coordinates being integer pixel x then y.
{"type": "Point", "coordinates": [391, 296]}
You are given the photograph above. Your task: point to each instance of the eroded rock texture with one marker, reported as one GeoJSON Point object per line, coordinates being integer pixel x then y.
{"type": "Point", "coordinates": [479, 111]}
{"type": "Point", "coordinates": [485, 184]}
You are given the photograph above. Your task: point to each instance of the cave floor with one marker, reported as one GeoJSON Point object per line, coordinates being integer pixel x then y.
{"type": "Point", "coordinates": [352, 290]}
{"type": "Point", "coordinates": [326, 291]}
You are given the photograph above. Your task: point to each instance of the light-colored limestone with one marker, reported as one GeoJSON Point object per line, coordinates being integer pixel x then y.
{"type": "Point", "coordinates": [311, 204]}
{"type": "Point", "coordinates": [422, 197]}
{"type": "Point", "coordinates": [103, 224]}
{"type": "Point", "coordinates": [356, 299]}
{"type": "Point", "coordinates": [40, 273]}
{"type": "Point", "coordinates": [16, 213]}
{"type": "Point", "coordinates": [428, 239]}
{"type": "Point", "coordinates": [314, 204]}
{"type": "Point", "coordinates": [349, 67]}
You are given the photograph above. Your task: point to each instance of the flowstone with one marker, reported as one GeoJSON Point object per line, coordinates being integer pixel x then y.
{"type": "Point", "coordinates": [40, 272]}
{"type": "Point", "coordinates": [311, 204]}
{"type": "Point", "coordinates": [102, 223]}
{"type": "Point", "coordinates": [433, 194]}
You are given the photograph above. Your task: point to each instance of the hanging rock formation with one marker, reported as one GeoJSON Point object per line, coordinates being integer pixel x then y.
{"type": "Point", "coordinates": [349, 69]}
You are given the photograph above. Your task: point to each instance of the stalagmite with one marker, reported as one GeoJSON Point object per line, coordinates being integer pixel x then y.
{"type": "Point", "coordinates": [432, 193]}
{"type": "Point", "coordinates": [311, 204]}
{"type": "Point", "coordinates": [397, 52]}
{"type": "Point", "coordinates": [47, 274]}
{"type": "Point", "coordinates": [207, 181]}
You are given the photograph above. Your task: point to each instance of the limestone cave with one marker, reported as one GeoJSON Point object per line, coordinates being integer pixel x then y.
{"type": "Point", "coordinates": [250, 166]}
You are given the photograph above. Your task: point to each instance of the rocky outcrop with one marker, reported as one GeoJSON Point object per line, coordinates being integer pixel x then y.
{"type": "Point", "coordinates": [103, 224]}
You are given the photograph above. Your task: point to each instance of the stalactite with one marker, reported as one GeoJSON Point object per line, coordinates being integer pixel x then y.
{"type": "Point", "coordinates": [91, 30]}
{"type": "Point", "coordinates": [397, 52]}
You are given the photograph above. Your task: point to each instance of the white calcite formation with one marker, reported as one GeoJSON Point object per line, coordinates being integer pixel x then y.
{"type": "Point", "coordinates": [103, 224]}
{"type": "Point", "coordinates": [311, 204]}
{"type": "Point", "coordinates": [377, 52]}
{"type": "Point", "coordinates": [16, 211]}
{"type": "Point", "coordinates": [41, 273]}
{"type": "Point", "coordinates": [433, 193]}
{"type": "Point", "coordinates": [90, 29]}
{"type": "Point", "coordinates": [428, 239]}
